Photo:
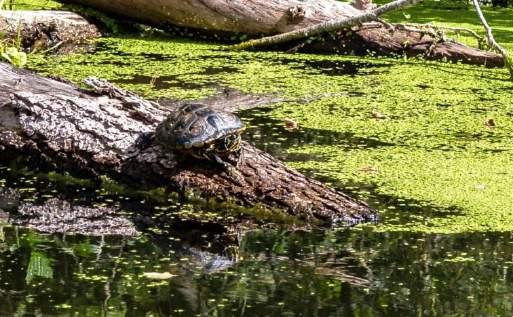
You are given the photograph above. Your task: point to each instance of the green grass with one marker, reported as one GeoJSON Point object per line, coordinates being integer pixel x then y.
{"type": "Point", "coordinates": [436, 167]}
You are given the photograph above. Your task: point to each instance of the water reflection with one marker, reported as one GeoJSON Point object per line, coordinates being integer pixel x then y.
{"type": "Point", "coordinates": [347, 273]}
{"type": "Point", "coordinates": [264, 273]}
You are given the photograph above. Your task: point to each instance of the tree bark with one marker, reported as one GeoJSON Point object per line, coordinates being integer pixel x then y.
{"type": "Point", "coordinates": [53, 124]}
{"type": "Point", "coordinates": [281, 16]}
{"type": "Point", "coordinates": [42, 30]}
{"type": "Point", "coordinates": [240, 16]}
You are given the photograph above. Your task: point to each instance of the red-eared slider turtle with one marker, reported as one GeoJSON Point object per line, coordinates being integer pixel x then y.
{"type": "Point", "coordinates": [202, 132]}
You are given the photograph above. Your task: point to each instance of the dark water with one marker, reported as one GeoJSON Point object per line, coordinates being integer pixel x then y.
{"type": "Point", "coordinates": [350, 272]}
{"type": "Point", "coordinates": [347, 273]}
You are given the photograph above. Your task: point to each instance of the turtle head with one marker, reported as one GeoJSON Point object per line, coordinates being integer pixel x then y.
{"type": "Point", "coordinates": [229, 144]}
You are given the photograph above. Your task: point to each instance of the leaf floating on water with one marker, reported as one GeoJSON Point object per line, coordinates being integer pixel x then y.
{"type": "Point", "coordinates": [490, 123]}
{"type": "Point", "coordinates": [291, 125]}
{"type": "Point", "coordinates": [369, 170]}
{"type": "Point", "coordinates": [158, 275]}
{"type": "Point", "coordinates": [378, 115]}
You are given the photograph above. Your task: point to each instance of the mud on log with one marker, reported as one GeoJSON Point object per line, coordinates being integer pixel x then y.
{"type": "Point", "coordinates": [57, 125]}
{"type": "Point", "coordinates": [258, 17]}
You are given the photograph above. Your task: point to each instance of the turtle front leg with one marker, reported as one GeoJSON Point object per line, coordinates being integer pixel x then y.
{"type": "Point", "coordinates": [227, 167]}
{"type": "Point", "coordinates": [240, 156]}
{"type": "Point", "coordinates": [216, 158]}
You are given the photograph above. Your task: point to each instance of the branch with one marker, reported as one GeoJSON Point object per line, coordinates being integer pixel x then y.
{"type": "Point", "coordinates": [433, 30]}
{"type": "Point", "coordinates": [491, 40]}
{"type": "Point", "coordinates": [324, 27]}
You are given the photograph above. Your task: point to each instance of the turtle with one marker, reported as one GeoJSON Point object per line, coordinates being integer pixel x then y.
{"type": "Point", "coordinates": [202, 132]}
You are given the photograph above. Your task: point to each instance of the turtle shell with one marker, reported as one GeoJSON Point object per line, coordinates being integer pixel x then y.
{"type": "Point", "coordinates": [196, 125]}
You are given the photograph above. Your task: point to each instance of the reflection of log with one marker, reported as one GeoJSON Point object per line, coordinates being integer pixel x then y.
{"type": "Point", "coordinates": [39, 30]}
{"type": "Point", "coordinates": [53, 124]}
{"type": "Point", "coordinates": [58, 216]}
{"type": "Point", "coordinates": [280, 16]}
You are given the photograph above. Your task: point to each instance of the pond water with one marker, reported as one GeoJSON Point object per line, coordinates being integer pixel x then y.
{"type": "Point", "coordinates": [409, 137]}
{"type": "Point", "coordinates": [170, 272]}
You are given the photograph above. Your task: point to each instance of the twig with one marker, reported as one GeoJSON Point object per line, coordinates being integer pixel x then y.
{"type": "Point", "coordinates": [455, 30]}
{"type": "Point", "coordinates": [107, 286]}
{"type": "Point", "coordinates": [385, 23]}
{"type": "Point", "coordinates": [423, 31]}
{"type": "Point", "coordinates": [491, 40]}
{"type": "Point", "coordinates": [56, 46]}
{"type": "Point", "coordinates": [324, 27]}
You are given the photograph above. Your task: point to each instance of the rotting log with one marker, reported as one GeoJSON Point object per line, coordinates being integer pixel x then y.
{"type": "Point", "coordinates": [376, 38]}
{"type": "Point", "coordinates": [256, 17]}
{"type": "Point", "coordinates": [46, 30]}
{"type": "Point", "coordinates": [108, 132]}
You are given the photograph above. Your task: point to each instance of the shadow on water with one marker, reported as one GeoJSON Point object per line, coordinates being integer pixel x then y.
{"type": "Point", "coordinates": [157, 57]}
{"type": "Point", "coordinates": [398, 210]}
{"type": "Point", "coordinates": [323, 66]}
{"type": "Point", "coordinates": [163, 82]}
{"type": "Point", "coordinates": [170, 81]}
{"type": "Point", "coordinates": [272, 136]}
{"type": "Point", "coordinates": [340, 68]}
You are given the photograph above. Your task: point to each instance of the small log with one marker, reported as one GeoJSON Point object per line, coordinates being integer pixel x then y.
{"type": "Point", "coordinates": [56, 125]}
{"type": "Point", "coordinates": [43, 30]}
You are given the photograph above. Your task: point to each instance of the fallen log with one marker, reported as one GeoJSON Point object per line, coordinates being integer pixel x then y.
{"type": "Point", "coordinates": [327, 26]}
{"type": "Point", "coordinates": [281, 16]}
{"type": "Point", "coordinates": [53, 124]}
{"type": "Point", "coordinates": [46, 30]}
{"type": "Point", "coordinates": [379, 40]}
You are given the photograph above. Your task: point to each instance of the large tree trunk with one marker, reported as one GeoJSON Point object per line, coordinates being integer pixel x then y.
{"type": "Point", "coordinates": [54, 124]}
{"type": "Point", "coordinates": [280, 16]}
{"type": "Point", "coordinates": [241, 16]}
